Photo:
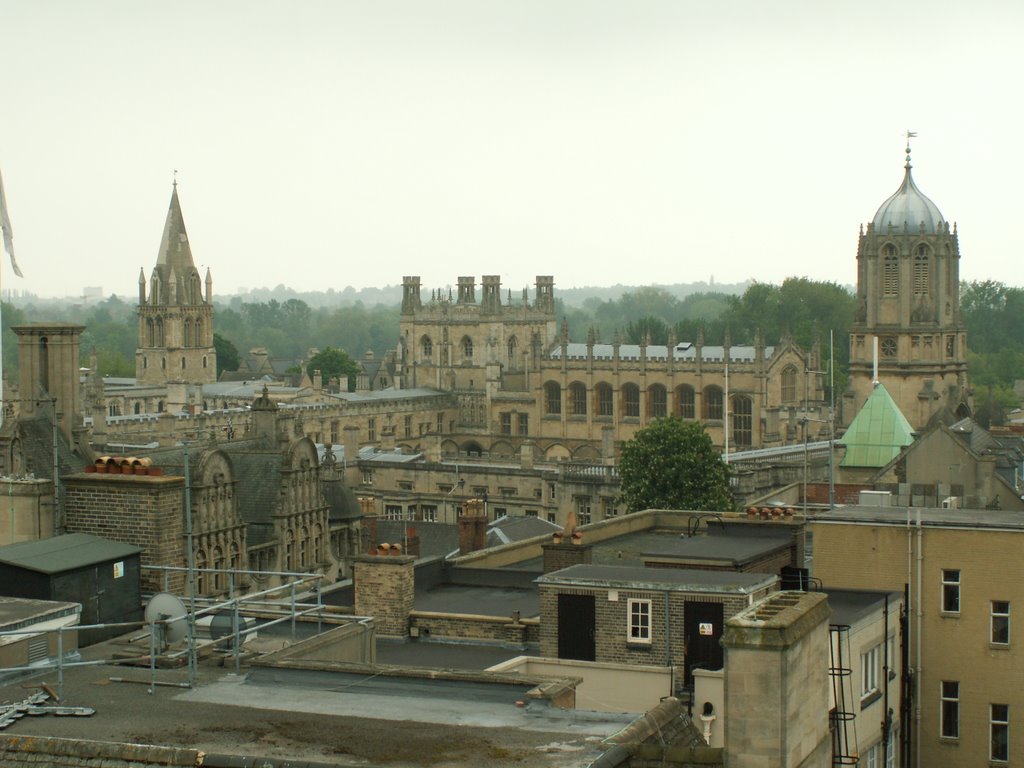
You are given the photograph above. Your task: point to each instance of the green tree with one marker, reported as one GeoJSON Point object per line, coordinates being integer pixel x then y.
{"type": "Point", "coordinates": [227, 354]}
{"type": "Point", "coordinates": [672, 464]}
{"type": "Point", "coordinates": [333, 363]}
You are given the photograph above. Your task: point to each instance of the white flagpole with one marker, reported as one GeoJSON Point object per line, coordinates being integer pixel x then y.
{"type": "Point", "coordinates": [8, 238]}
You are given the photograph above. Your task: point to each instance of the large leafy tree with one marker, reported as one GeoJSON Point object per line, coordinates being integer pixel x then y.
{"type": "Point", "coordinates": [334, 363]}
{"type": "Point", "coordinates": [228, 358]}
{"type": "Point", "coordinates": [672, 464]}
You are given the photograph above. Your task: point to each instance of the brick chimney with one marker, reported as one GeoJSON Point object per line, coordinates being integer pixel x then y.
{"type": "Point", "coordinates": [384, 589]}
{"type": "Point", "coordinates": [472, 533]}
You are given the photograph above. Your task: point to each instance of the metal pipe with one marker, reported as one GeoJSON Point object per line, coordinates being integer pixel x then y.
{"type": "Point", "coordinates": [917, 643]}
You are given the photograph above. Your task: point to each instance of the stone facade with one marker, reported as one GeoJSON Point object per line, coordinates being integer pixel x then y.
{"type": "Point", "coordinates": [977, 555]}
{"type": "Point", "coordinates": [777, 661]}
{"type": "Point", "coordinates": [908, 295]}
{"type": "Point", "coordinates": [175, 318]}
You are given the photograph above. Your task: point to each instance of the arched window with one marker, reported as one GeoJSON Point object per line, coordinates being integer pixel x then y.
{"type": "Point", "coordinates": [513, 353]}
{"type": "Point", "coordinates": [684, 402]}
{"type": "Point", "coordinates": [713, 403]}
{"type": "Point", "coordinates": [631, 401]}
{"type": "Point", "coordinates": [577, 399]}
{"type": "Point", "coordinates": [657, 401]}
{"type": "Point", "coordinates": [467, 348]}
{"type": "Point", "coordinates": [603, 395]}
{"type": "Point", "coordinates": [890, 271]}
{"type": "Point", "coordinates": [188, 333]}
{"type": "Point", "coordinates": [742, 415]}
{"type": "Point", "coordinates": [138, 408]}
{"type": "Point", "coordinates": [150, 332]}
{"type": "Point", "coordinates": [426, 348]}
{"type": "Point", "coordinates": [921, 271]}
{"type": "Point", "coordinates": [552, 398]}
{"type": "Point", "coordinates": [789, 385]}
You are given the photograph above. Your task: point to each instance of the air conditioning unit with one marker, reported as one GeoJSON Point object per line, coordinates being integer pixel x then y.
{"type": "Point", "coordinates": [951, 502]}
{"type": "Point", "coordinates": [875, 498]}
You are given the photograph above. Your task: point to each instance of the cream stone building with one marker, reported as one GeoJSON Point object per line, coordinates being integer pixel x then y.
{"type": "Point", "coordinates": [908, 298]}
{"type": "Point", "coordinates": [965, 579]}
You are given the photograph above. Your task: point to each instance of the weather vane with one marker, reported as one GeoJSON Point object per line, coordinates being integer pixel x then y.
{"type": "Point", "coordinates": [910, 135]}
{"type": "Point", "coordinates": [175, 177]}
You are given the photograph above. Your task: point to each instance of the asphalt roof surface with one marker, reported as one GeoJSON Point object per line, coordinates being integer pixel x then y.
{"type": "Point", "coordinates": [65, 553]}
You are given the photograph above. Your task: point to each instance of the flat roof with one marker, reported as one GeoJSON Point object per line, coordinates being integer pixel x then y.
{"type": "Point", "coordinates": [929, 516]}
{"type": "Point", "coordinates": [477, 600]}
{"type": "Point", "coordinates": [674, 579]}
{"type": "Point", "coordinates": [850, 606]}
{"type": "Point", "coordinates": [21, 612]}
{"type": "Point", "coordinates": [733, 548]}
{"type": "Point", "coordinates": [65, 553]}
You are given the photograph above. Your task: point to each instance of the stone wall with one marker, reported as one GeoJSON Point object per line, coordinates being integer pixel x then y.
{"type": "Point", "coordinates": [776, 683]}
{"type": "Point", "coordinates": [144, 510]}
{"type": "Point", "coordinates": [458, 626]}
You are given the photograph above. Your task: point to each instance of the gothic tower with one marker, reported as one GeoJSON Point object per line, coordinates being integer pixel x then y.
{"type": "Point", "coordinates": [175, 319]}
{"type": "Point", "coordinates": [908, 298]}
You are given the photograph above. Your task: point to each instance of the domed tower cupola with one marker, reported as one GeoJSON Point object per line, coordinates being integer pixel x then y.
{"type": "Point", "coordinates": [908, 209]}
{"type": "Point", "coordinates": [908, 302]}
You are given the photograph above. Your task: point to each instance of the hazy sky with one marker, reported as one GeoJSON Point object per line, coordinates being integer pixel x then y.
{"type": "Point", "coordinates": [343, 142]}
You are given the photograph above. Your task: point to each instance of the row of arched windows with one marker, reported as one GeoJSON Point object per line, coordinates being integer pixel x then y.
{"type": "Point", "coordinates": [920, 270]}
{"type": "Point", "coordinates": [426, 345]}
{"type": "Point", "coordinates": [578, 402]}
{"type": "Point", "coordinates": [192, 337]}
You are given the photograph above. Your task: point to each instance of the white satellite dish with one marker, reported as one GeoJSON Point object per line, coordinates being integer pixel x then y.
{"type": "Point", "coordinates": [165, 607]}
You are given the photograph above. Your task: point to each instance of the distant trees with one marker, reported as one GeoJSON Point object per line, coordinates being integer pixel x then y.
{"type": "Point", "coordinates": [228, 358]}
{"type": "Point", "coordinates": [672, 464]}
{"type": "Point", "coordinates": [334, 363]}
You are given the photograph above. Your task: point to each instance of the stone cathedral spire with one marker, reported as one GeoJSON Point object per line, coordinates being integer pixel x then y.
{"type": "Point", "coordinates": [175, 318]}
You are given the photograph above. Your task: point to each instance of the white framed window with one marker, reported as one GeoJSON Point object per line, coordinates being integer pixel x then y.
{"type": "Point", "coordinates": [873, 755]}
{"type": "Point", "coordinates": [1000, 622]}
{"type": "Point", "coordinates": [500, 512]}
{"type": "Point", "coordinates": [949, 710]}
{"type": "Point", "coordinates": [950, 591]}
{"type": "Point", "coordinates": [429, 512]}
{"type": "Point", "coordinates": [893, 747]}
{"type": "Point", "coordinates": [870, 662]}
{"type": "Point", "coordinates": [392, 511]}
{"type": "Point", "coordinates": [999, 728]}
{"type": "Point", "coordinates": [639, 618]}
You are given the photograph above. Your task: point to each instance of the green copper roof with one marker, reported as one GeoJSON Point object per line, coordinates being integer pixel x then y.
{"type": "Point", "coordinates": [877, 434]}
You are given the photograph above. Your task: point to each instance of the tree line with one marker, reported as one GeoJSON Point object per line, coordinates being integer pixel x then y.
{"type": "Point", "coordinates": [805, 310]}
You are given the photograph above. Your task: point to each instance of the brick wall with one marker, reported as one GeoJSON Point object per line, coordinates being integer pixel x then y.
{"type": "Point", "coordinates": [144, 510]}
{"type": "Point", "coordinates": [384, 589]}
{"type": "Point", "coordinates": [559, 556]}
{"type": "Point", "coordinates": [610, 622]}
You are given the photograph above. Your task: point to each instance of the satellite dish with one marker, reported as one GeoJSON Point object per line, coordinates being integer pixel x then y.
{"type": "Point", "coordinates": [165, 607]}
{"type": "Point", "coordinates": [221, 625]}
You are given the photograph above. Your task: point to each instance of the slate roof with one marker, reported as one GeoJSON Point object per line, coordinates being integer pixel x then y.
{"type": "Point", "coordinates": [69, 552]}
{"type": "Point", "coordinates": [877, 433]}
{"type": "Point", "coordinates": [37, 444]}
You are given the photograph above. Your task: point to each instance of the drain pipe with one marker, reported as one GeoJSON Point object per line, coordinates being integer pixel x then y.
{"type": "Point", "coordinates": [917, 644]}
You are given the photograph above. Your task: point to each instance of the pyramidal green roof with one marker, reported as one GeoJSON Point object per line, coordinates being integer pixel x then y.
{"type": "Point", "coordinates": [878, 432]}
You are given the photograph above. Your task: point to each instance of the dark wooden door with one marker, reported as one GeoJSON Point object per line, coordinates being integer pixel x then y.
{"type": "Point", "coordinates": [702, 625]}
{"type": "Point", "coordinates": [576, 627]}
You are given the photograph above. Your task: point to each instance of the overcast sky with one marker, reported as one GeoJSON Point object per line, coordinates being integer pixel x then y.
{"type": "Point", "coordinates": [326, 144]}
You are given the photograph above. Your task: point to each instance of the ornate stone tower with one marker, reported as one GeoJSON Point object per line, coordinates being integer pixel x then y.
{"type": "Point", "coordinates": [908, 298]}
{"type": "Point", "coordinates": [175, 319]}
